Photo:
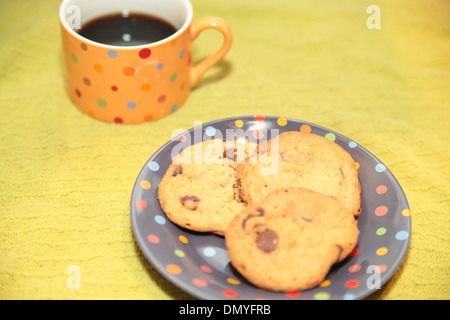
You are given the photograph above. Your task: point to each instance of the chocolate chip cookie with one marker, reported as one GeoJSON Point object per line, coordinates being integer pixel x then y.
{"type": "Point", "coordinates": [290, 240]}
{"type": "Point", "coordinates": [199, 190]}
{"type": "Point", "coordinates": [296, 159]}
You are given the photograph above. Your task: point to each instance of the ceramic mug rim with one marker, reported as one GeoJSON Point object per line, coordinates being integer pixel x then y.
{"type": "Point", "coordinates": [62, 18]}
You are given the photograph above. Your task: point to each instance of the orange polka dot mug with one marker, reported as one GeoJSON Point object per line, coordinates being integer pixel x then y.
{"type": "Point", "coordinates": [139, 83]}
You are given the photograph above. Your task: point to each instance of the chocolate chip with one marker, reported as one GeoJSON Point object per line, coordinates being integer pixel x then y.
{"type": "Point", "coordinates": [267, 241]}
{"type": "Point", "coordinates": [190, 202]}
{"type": "Point", "coordinates": [178, 170]}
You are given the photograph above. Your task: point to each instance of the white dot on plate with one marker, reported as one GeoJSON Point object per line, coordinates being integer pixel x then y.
{"type": "Point", "coordinates": [209, 252]}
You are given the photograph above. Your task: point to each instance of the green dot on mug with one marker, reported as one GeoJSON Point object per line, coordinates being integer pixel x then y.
{"type": "Point", "coordinates": [102, 102]}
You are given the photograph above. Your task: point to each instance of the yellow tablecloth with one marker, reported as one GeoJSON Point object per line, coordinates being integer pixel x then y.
{"type": "Point", "coordinates": [66, 179]}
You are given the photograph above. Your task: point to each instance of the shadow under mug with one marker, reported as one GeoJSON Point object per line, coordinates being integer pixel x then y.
{"type": "Point", "coordinates": [135, 84]}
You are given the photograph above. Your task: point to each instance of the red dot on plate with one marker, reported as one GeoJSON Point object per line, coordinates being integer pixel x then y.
{"type": "Point", "coordinates": [381, 189]}
{"type": "Point", "coordinates": [145, 53]}
{"type": "Point", "coordinates": [199, 282]}
{"type": "Point", "coordinates": [381, 211]}
{"type": "Point", "coordinates": [293, 294]}
{"type": "Point", "coordinates": [352, 283]}
{"type": "Point", "coordinates": [230, 293]}
{"type": "Point", "coordinates": [354, 252]}
{"type": "Point", "coordinates": [260, 118]}
{"type": "Point", "coordinates": [141, 204]}
{"type": "Point", "coordinates": [152, 238]}
{"type": "Point", "coordinates": [206, 269]}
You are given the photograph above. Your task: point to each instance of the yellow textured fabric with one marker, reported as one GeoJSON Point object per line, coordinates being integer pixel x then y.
{"type": "Point", "coordinates": [66, 179]}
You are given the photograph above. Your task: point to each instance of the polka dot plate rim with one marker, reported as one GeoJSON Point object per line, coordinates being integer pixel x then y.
{"type": "Point", "coordinates": [198, 263]}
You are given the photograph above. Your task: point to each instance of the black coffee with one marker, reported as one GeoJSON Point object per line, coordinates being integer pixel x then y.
{"type": "Point", "coordinates": [132, 29]}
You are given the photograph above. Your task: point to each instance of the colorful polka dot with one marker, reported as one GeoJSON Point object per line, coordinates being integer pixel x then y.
{"type": "Point", "coordinates": [402, 235]}
{"type": "Point", "coordinates": [233, 281]}
{"type": "Point", "coordinates": [330, 136]}
{"type": "Point", "coordinates": [141, 204]}
{"type": "Point", "coordinates": [381, 189]}
{"type": "Point", "coordinates": [352, 283]}
{"type": "Point", "coordinates": [406, 212]}
{"type": "Point", "coordinates": [114, 88]}
{"type": "Point", "coordinates": [200, 283]}
{"type": "Point", "coordinates": [173, 77]}
{"type": "Point", "coordinates": [183, 239]}
{"type": "Point", "coordinates": [325, 283]}
{"type": "Point", "coordinates": [349, 296]}
{"type": "Point", "coordinates": [282, 122]}
{"type": "Point", "coordinates": [87, 82]}
{"type": "Point", "coordinates": [305, 128]}
{"type": "Point", "coordinates": [230, 293]}
{"type": "Point", "coordinates": [173, 108]}
{"type": "Point", "coordinates": [145, 184]}
{"type": "Point", "coordinates": [209, 252]}
{"type": "Point", "coordinates": [98, 68]}
{"type": "Point", "coordinates": [173, 43]}
{"type": "Point", "coordinates": [210, 131]}
{"type": "Point", "coordinates": [160, 220]}
{"type": "Point", "coordinates": [145, 53]}
{"type": "Point", "coordinates": [322, 296]}
{"type": "Point", "coordinates": [381, 211]}
{"type": "Point", "coordinates": [102, 102]}
{"type": "Point", "coordinates": [153, 166]}
{"type": "Point", "coordinates": [381, 231]}
{"type": "Point", "coordinates": [239, 123]}
{"type": "Point", "coordinates": [354, 268]}
{"type": "Point", "coordinates": [145, 87]}
{"type": "Point", "coordinates": [74, 58]}
{"type": "Point", "coordinates": [182, 52]}
{"type": "Point", "coordinates": [128, 71]}
{"type": "Point", "coordinates": [112, 54]}
{"type": "Point", "coordinates": [357, 165]}
{"type": "Point", "coordinates": [179, 253]}
{"type": "Point", "coordinates": [83, 46]}
{"type": "Point", "coordinates": [131, 105]}
{"type": "Point", "coordinates": [352, 144]}
{"type": "Point", "coordinates": [380, 167]}
{"type": "Point", "coordinates": [118, 120]}
{"type": "Point", "coordinates": [153, 238]}
{"type": "Point", "coordinates": [354, 252]}
{"type": "Point", "coordinates": [382, 268]}
{"type": "Point", "coordinates": [174, 269]}
{"type": "Point", "coordinates": [78, 93]}
{"type": "Point", "coordinates": [160, 66]}
{"type": "Point", "coordinates": [206, 269]}
{"type": "Point", "coordinates": [382, 251]}
{"type": "Point", "coordinates": [293, 294]}
{"type": "Point", "coordinates": [162, 98]}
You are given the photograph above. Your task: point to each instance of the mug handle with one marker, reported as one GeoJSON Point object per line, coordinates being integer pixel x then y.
{"type": "Point", "coordinates": [194, 30]}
